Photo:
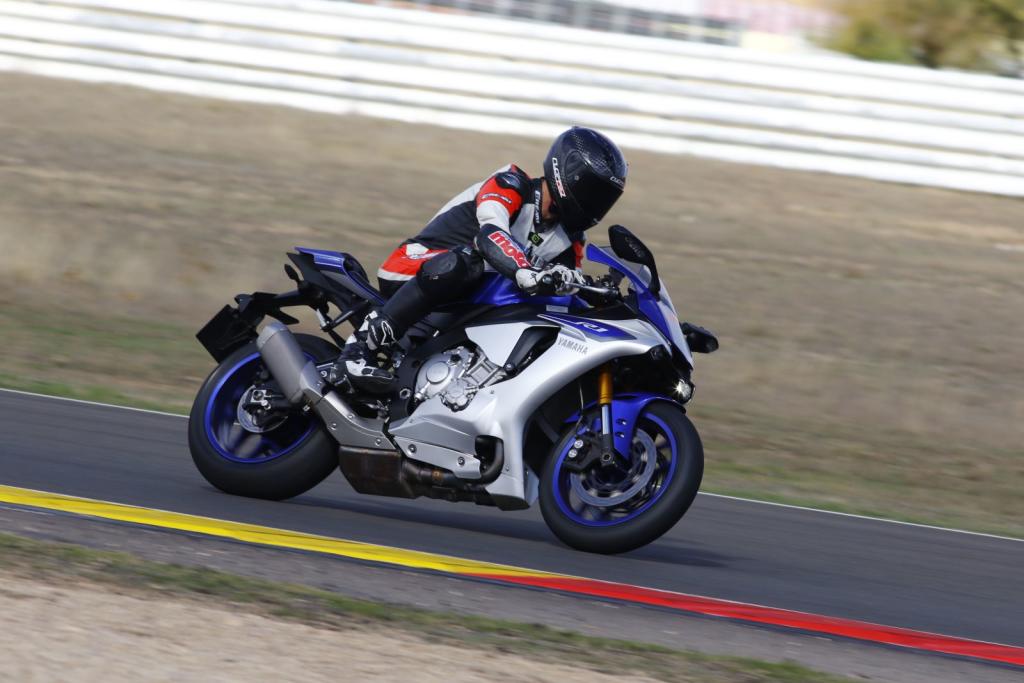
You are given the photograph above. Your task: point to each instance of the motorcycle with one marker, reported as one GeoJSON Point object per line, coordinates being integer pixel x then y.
{"type": "Point", "coordinates": [503, 399]}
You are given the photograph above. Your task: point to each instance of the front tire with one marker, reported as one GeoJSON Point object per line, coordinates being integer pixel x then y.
{"type": "Point", "coordinates": [282, 462]}
{"type": "Point", "coordinates": [604, 516]}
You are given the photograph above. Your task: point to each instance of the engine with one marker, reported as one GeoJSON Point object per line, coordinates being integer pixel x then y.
{"type": "Point", "coordinates": [456, 375]}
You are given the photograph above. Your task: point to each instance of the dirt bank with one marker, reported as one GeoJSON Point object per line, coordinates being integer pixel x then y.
{"type": "Point", "coordinates": [85, 633]}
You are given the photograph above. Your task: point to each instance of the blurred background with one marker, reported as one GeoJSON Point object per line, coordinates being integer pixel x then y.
{"type": "Point", "coordinates": [982, 35]}
{"type": "Point", "coordinates": [832, 187]}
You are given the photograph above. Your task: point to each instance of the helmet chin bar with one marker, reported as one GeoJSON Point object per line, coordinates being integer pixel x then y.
{"type": "Point", "coordinates": [573, 217]}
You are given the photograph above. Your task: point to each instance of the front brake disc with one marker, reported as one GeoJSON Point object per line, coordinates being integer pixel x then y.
{"type": "Point", "coordinates": [644, 454]}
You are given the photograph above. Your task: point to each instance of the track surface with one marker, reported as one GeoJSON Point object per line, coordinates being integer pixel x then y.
{"type": "Point", "coordinates": [933, 580]}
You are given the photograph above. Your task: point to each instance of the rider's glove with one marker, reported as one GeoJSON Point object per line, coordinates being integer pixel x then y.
{"type": "Point", "coordinates": [551, 280]}
{"type": "Point", "coordinates": [530, 280]}
{"type": "Point", "coordinates": [567, 280]}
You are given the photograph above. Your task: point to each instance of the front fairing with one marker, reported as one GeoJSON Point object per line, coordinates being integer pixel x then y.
{"type": "Point", "coordinates": [497, 290]}
{"type": "Point", "coordinates": [657, 309]}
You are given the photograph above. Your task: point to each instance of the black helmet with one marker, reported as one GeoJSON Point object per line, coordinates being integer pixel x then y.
{"type": "Point", "coordinates": [586, 174]}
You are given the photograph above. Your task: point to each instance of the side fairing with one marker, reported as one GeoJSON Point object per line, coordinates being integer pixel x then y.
{"type": "Point", "coordinates": [503, 409]}
{"type": "Point", "coordinates": [498, 341]}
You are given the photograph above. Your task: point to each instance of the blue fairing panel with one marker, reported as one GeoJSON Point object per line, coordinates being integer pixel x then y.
{"type": "Point", "coordinates": [336, 261]}
{"type": "Point", "coordinates": [323, 257]}
{"type": "Point", "coordinates": [500, 291]}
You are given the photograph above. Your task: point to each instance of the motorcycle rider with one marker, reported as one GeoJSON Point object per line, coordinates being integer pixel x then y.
{"type": "Point", "coordinates": [528, 230]}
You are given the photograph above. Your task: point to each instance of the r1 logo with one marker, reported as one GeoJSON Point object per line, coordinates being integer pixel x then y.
{"type": "Point", "coordinates": [589, 327]}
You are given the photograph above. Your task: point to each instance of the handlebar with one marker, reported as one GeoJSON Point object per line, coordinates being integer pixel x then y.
{"type": "Point", "coordinates": [606, 291]}
{"type": "Point", "coordinates": [552, 280]}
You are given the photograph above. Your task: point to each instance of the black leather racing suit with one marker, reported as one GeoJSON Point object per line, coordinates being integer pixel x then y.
{"type": "Point", "coordinates": [494, 224]}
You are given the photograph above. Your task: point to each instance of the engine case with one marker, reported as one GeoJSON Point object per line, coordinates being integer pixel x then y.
{"type": "Point", "coordinates": [456, 375]}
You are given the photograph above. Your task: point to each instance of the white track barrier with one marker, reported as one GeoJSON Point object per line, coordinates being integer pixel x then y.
{"type": "Point", "coordinates": [816, 113]}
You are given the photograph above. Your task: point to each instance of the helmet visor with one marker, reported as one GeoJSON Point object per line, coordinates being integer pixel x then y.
{"type": "Point", "coordinates": [595, 196]}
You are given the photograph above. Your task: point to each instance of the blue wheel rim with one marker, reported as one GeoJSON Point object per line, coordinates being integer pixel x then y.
{"type": "Point", "coordinates": [229, 439]}
{"type": "Point", "coordinates": [561, 481]}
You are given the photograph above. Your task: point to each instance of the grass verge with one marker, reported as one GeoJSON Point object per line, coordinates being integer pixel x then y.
{"type": "Point", "coordinates": [40, 560]}
{"type": "Point", "coordinates": [86, 392]}
{"type": "Point", "coordinates": [135, 362]}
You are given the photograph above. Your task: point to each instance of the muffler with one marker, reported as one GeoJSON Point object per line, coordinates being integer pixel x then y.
{"type": "Point", "coordinates": [301, 382]}
{"type": "Point", "coordinates": [295, 374]}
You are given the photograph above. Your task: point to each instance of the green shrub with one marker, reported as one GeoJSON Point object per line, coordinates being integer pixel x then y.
{"type": "Point", "coordinates": [1008, 16]}
{"type": "Point", "coordinates": [967, 34]}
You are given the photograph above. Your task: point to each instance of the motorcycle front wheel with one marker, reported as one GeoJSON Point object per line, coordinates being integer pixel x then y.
{"type": "Point", "coordinates": [618, 508]}
{"type": "Point", "coordinates": [278, 459]}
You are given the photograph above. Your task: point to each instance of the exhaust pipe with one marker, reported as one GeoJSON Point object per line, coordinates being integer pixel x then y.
{"type": "Point", "coordinates": [295, 374]}
{"type": "Point", "coordinates": [299, 380]}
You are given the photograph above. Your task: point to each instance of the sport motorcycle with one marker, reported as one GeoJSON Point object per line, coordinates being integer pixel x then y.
{"type": "Point", "coordinates": [576, 401]}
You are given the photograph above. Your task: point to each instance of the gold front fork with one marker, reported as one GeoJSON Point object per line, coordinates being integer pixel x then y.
{"type": "Point", "coordinates": [604, 385]}
{"type": "Point", "coordinates": [605, 392]}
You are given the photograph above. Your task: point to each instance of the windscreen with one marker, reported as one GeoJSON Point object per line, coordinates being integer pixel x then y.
{"type": "Point", "coordinates": [643, 273]}
{"type": "Point", "coordinates": [659, 310]}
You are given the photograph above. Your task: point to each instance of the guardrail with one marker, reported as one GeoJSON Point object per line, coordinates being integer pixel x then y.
{"type": "Point", "coordinates": [674, 19]}
{"type": "Point", "coordinates": [826, 114]}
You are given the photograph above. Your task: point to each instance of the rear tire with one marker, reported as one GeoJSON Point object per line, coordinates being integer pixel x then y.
{"type": "Point", "coordinates": [668, 502]}
{"type": "Point", "coordinates": [297, 455]}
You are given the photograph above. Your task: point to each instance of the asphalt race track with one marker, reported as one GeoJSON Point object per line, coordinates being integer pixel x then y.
{"type": "Point", "coordinates": [946, 582]}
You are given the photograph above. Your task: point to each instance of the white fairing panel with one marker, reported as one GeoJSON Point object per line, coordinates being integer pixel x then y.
{"type": "Point", "coordinates": [502, 410]}
{"type": "Point", "coordinates": [497, 341]}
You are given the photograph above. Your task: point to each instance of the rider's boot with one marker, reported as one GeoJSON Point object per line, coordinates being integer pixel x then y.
{"type": "Point", "coordinates": [441, 279]}
{"type": "Point", "coordinates": [358, 360]}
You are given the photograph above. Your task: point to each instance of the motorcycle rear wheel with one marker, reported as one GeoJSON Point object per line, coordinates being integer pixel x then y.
{"type": "Point", "coordinates": [286, 460]}
{"type": "Point", "coordinates": [598, 513]}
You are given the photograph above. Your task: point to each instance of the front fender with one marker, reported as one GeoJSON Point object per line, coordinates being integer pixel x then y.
{"type": "Point", "coordinates": [626, 409]}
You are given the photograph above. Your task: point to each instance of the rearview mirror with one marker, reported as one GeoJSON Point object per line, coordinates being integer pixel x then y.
{"type": "Point", "coordinates": [699, 339]}
{"type": "Point", "coordinates": [628, 247]}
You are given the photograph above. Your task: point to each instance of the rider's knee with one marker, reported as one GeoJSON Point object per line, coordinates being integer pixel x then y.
{"type": "Point", "coordinates": [449, 274]}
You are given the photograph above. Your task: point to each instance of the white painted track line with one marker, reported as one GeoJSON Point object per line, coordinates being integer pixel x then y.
{"type": "Point", "coordinates": [91, 403]}
{"type": "Point", "coordinates": [867, 517]}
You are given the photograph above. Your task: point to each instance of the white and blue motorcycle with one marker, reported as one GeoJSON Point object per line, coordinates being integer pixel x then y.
{"type": "Point", "coordinates": [504, 399]}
